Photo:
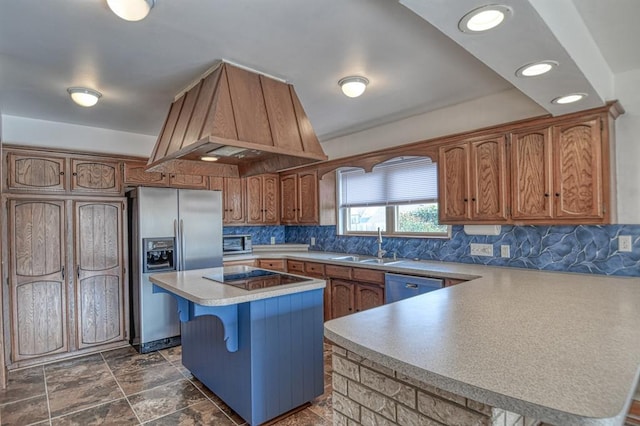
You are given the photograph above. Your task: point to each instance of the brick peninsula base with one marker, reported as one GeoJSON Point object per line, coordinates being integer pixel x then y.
{"type": "Point", "coordinates": [367, 393]}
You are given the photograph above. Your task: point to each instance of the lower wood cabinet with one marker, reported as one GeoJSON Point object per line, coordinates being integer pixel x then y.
{"type": "Point", "coordinates": [273, 264]}
{"type": "Point", "coordinates": [67, 277]}
{"type": "Point", "coordinates": [249, 262]}
{"type": "Point", "coordinates": [348, 297]}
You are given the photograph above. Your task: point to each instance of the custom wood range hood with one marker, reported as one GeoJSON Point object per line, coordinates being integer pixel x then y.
{"type": "Point", "coordinates": [250, 122]}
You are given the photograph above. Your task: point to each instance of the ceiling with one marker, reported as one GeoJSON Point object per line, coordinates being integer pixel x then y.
{"type": "Point", "coordinates": [413, 67]}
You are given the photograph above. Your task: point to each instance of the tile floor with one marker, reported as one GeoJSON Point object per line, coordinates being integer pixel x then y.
{"type": "Point", "coordinates": [123, 387]}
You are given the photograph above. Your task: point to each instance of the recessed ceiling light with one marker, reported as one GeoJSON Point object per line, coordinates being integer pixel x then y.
{"type": "Point", "coordinates": [568, 99]}
{"type": "Point", "coordinates": [536, 68]}
{"type": "Point", "coordinates": [353, 86]}
{"type": "Point", "coordinates": [208, 158]}
{"type": "Point", "coordinates": [131, 10]}
{"type": "Point", "coordinates": [83, 96]}
{"type": "Point", "coordinates": [484, 18]}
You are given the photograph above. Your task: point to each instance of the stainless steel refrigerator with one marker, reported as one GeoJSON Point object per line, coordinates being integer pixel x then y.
{"type": "Point", "coordinates": [171, 229]}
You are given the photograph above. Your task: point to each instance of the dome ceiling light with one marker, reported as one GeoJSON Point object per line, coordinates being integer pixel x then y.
{"type": "Point", "coordinates": [131, 10]}
{"type": "Point", "coordinates": [484, 18]}
{"type": "Point", "coordinates": [83, 96]}
{"type": "Point", "coordinates": [353, 86]}
{"type": "Point", "coordinates": [535, 69]}
{"type": "Point", "coordinates": [569, 99]}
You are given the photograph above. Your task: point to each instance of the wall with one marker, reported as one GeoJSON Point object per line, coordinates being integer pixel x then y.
{"type": "Point", "coordinates": [587, 249]}
{"type": "Point", "coordinates": [51, 134]}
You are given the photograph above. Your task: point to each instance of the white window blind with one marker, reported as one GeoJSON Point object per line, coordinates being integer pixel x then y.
{"type": "Point", "coordinates": [410, 180]}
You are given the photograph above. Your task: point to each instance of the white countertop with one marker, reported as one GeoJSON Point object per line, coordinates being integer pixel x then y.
{"type": "Point", "coordinates": [560, 347]}
{"type": "Point", "coordinates": [192, 286]}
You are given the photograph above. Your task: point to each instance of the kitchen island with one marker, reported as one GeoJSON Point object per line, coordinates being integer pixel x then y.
{"type": "Point", "coordinates": [256, 341]}
{"type": "Point", "coordinates": [559, 348]}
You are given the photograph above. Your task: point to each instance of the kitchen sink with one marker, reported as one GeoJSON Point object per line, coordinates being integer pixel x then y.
{"type": "Point", "coordinates": [347, 258]}
{"type": "Point", "coordinates": [380, 261]}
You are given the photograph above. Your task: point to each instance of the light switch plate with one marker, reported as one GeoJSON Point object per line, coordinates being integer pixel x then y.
{"type": "Point", "coordinates": [481, 249]}
{"type": "Point", "coordinates": [624, 243]}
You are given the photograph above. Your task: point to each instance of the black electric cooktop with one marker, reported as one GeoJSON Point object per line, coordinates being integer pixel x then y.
{"type": "Point", "coordinates": [249, 278]}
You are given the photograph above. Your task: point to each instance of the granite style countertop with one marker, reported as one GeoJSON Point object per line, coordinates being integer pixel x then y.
{"type": "Point", "coordinates": [560, 347]}
{"type": "Point", "coordinates": [194, 287]}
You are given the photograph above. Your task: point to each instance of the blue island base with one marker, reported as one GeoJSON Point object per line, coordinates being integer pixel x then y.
{"type": "Point", "coordinates": [278, 364]}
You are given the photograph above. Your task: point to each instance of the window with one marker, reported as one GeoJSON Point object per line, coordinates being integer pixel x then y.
{"type": "Point", "coordinates": [399, 196]}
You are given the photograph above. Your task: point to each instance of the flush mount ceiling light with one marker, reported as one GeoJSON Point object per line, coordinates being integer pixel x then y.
{"type": "Point", "coordinates": [83, 96]}
{"type": "Point", "coordinates": [536, 68]}
{"type": "Point", "coordinates": [484, 18]}
{"type": "Point", "coordinates": [569, 99]}
{"type": "Point", "coordinates": [353, 86]}
{"type": "Point", "coordinates": [131, 10]}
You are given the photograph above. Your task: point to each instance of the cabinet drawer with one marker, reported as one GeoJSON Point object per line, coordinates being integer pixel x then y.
{"type": "Point", "coordinates": [314, 269]}
{"type": "Point", "coordinates": [249, 262]}
{"type": "Point", "coordinates": [295, 266]}
{"type": "Point", "coordinates": [368, 275]}
{"type": "Point", "coordinates": [334, 271]}
{"type": "Point", "coordinates": [275, 264]}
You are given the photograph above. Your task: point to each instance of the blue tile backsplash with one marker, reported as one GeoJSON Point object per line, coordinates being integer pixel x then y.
{"type": "Point", "coordinates": [589, 249]}
{"type": "Point", "coordinates": [259, 234]}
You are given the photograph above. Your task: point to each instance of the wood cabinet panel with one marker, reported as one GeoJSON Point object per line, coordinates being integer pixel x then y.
{"type": "Point", "coordinates": [99, 257]}
{"type": "Point", "coordinates": [37, 278]}
{"type": "Point", "coordinates": [96, 176]}
{"type": "Point", "coordinates": [488, 180]}
{"type": "Point", "coordinates": [313, 269]}
{"type": "Point", "coordinates": [188, 181]}
{"type": "Point", "coordinates": [299, 198]}
{"type": "Point", "coordinates": [250, 262]}
{"type": "Point", "coordinates": [531, 174]}
{"type": "Point", "coordinates": [342, 298]}
{"type": "Point", "coordinates": [262, 199]}
{"type": "Point", "coordinates": [289, 198]}
{"type": "Point", "coordinates": [234, 200]}
{"type": "Point", "coordinates": [453, 181]}
{"type": "Point", "coordinates": [273, 264]}
{"type": "Point", "coordinates": [33, 172]}
{"type": "Point", "coordinates": [271, 199]}
{"type": "Point", "coordinates": [368, 275]}
{"type": "Point", "coordinates": [334, 271]}
{"type": "Point", "coordinates": [368, 296]}
{"type": "Point", "coordinates": [135, 174]}
{"type": "Point", "coordinates": [295, 266]}
{"type": "Point", "coordinates": [578, 170]}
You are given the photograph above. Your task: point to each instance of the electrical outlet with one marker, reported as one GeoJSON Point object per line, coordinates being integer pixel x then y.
{"type": "Point", "coordinates": [505, 251]}
{"type": "Point", "coordinates": [273, 240]}
{"type": "Point", "coordinates": [481, 249]}
{"type": "Point", "coordinates": [313, 241]}
{"type": "Point", "coordinates": [624, 243]}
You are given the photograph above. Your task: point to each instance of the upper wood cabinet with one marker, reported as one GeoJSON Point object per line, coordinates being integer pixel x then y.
{"type": "Point", "coordinates": [135, 174]}
{"type": "Point", "coordinates": [36, 172]}
{"type": "Point", "coordinates": [188, 181]}
{"type": "Point", "coordinates": [557, 173]}
{"type": "Point", "coordinates": [472, 179]}
{"type": "Point", "coordinates": [299, 198]}
{"type": "Point", "coordinates": [233, 200]}
{"type": "Point", "coordinates": [263, 199]}
{"type": "Point", "coordinates": [96, 176]}
{"type": "Point", "coordinates": [43, 172]}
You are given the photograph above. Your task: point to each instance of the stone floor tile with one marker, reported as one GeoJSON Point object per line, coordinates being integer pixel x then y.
{"type": "Point", "coordinates": [203, 413]}
{"type": "Point", "coordinates": [305, 417]}
{"type": "Point", "coordinates": [173, 355]}
{"type": "Point", "coordinates": [76, 372]}
{"type": "Point", "coordinates": [70, 396]}
{"type": "Point", "coordinates": [165, 399]}
{"type": "Point", "coordinates": [136, 381]}
{"type": "Point", "coordinates": [24, 412]}
{"type": "Point", "coordinates": [23, 384]}
{"type": "Point", "coordinates": [112, 413]}
{"type": "Point", "coordinates": [128, 359]}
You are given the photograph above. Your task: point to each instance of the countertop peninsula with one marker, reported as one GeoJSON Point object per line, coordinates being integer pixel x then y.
{"type": "Point", "coordinates": [559, 347]}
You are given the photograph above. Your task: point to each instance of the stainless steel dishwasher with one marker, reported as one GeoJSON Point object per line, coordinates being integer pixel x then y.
{"type": "Point", "coordinates": [398, 287]}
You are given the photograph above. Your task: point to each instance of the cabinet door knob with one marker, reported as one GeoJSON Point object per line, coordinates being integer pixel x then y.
{"type": "Point", "coordinates": [465, 200]}
{"type": "Point", "coordinates": [473, 199]}
{"type": "Point", "coordinates": [546, 195]}
{"type": "Point", "coordinates": [61, 173]}
{"type": "Point", "coordinates": [74, 174]}
{"type": "Point", "coordinates": [557, 194]}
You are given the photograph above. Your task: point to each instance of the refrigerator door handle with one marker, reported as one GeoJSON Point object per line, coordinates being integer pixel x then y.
{"type": "Point", "coordinates": [183, 247]}
{"type": "Point", "coordinates": [176, 235]}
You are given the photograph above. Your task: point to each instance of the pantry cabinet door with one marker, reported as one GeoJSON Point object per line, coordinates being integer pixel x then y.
{"type": "Point", "coordinates": [37, 278]}
{"type": "Point", "coordinates": [99, 269]}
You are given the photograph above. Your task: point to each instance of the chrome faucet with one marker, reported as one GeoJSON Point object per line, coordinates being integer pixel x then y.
{"type": "Point", "coordinates": [381, 252]}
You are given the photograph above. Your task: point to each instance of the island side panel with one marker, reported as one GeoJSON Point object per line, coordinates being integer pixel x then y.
{"type": "Point", "coordinates": [287, 362]}
{"type": "Point", "coordinates": [278, 365]}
